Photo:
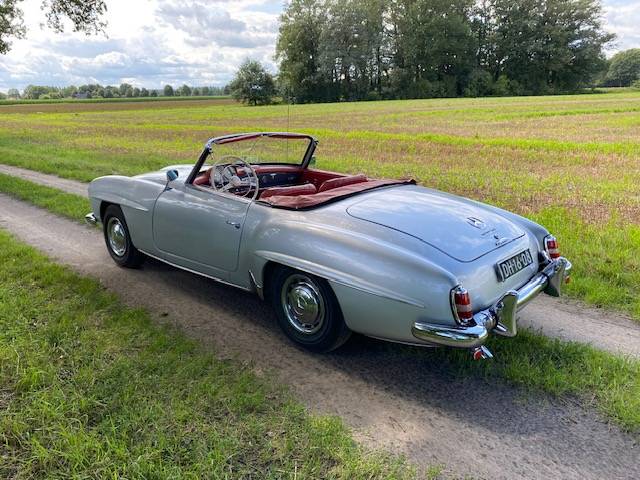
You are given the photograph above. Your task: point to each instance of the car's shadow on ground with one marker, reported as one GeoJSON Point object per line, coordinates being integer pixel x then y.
{"type": "Point", "coordinates": [420, 375]}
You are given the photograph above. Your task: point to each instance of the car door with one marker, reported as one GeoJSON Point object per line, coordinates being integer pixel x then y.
{"type": "Point", "coordinates": [195, 227]}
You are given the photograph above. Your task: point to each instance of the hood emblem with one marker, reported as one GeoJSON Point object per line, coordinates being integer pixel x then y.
{"type": "Point", "coordinates": [476, 222]}
{"type": "Point", "coordinates": [500, 240]}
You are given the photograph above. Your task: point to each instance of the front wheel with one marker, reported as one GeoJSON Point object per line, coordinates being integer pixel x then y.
{"type": "Point", "coordinates": [118, 240]}
{"type": "Point", "coordinates": [307, 310]}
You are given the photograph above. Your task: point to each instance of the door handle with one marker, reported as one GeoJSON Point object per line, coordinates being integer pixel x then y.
{"type": "Point", "coordinates": [234, 224]}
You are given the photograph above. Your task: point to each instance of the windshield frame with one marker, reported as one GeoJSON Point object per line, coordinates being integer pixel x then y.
{"type": "Point", "coordinates": [239, 137]}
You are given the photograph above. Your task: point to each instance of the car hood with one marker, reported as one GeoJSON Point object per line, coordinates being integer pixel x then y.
{"type": "Point", "coordinates": [462, 229]}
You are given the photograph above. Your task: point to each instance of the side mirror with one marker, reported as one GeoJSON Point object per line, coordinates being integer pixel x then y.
{"type": "Point", "coordinates": [312, 162]}
{"type": "Point", "coordinates": [172, 175]}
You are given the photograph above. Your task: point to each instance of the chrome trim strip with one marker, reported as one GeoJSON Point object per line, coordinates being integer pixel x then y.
{"type": "Point", "coordinates": [499, 318]}
{"type": "Point", "coordinates": [246, 289]}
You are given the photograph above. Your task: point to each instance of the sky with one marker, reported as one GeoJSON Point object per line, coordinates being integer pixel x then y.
{"type": "Point", "coordinates": [150, 43]}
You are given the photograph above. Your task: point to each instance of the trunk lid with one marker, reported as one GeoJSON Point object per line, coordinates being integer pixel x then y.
{"type": "Point", "coordinates": [461, 229]}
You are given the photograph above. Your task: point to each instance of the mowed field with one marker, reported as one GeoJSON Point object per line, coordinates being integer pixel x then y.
{"type": "Point", "coordinates": [569, 162]}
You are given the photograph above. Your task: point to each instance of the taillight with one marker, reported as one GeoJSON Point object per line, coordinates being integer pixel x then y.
{"type": "Point", "coordinates": [551, 246]}
{"type": "Point", "coordinates": [462, 305]}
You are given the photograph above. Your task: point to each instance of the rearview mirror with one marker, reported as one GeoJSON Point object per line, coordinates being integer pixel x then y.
{"type": "Point", "coordinates": [172, 175]}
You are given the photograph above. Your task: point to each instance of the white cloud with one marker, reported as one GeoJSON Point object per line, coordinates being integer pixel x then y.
{"type": "Point", "coordinates": [148, 43]}
{"type": "Point", "coordinates": [199, 42]}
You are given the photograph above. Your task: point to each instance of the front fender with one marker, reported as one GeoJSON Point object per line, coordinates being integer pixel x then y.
{"type": "Point", "coordinates": [135, 197]}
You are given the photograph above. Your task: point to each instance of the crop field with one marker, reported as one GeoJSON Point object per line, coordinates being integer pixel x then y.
{"type": "Point", "coordinates": [569, 162]}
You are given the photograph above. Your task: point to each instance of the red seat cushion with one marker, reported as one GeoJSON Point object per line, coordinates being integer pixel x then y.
{"type": "Point", "coordinates": [341, 182]}
{"type": "Point", "coordinates": [305, 189]}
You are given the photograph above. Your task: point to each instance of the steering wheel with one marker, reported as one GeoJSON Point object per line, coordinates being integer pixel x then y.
{"type": "Point", "coordinates": [231, 174]}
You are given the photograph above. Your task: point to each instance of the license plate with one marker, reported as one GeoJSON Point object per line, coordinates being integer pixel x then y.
{"type": "Point", "coordinates": [513, 265]}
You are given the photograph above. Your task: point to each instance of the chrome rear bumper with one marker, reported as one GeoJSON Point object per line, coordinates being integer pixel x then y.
{"type": "Point", "coordinates": [500, 318]}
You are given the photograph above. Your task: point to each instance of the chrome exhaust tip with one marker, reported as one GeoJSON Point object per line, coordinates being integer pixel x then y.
{"type": "Point", "coordinates": [482, 353]}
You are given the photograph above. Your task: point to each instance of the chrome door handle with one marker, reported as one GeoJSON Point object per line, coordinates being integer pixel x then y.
{"type": "Point", "coordinates": [234, 224]}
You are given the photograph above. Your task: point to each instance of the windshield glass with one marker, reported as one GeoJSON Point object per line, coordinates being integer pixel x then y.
{"type": "Point", "coordinates": [262, 149]}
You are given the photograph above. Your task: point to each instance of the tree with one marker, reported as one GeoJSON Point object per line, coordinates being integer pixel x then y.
{"type": "Point", "coordinates": [144, 92]}
{"type": "Point", "coordinates": [624, 68]}
{"type": "Point", "coordinates": [205, 91]}
{"type": "Point", "coordinates": [184, 91]}
{"type": "Point", "coordinates": [85, 16]}
{"type": "Point", "coordinates": [153, 93]}
{"type": "Point", "coordinates": [13, 93]}
{"type": "Point", "coordinates": [168, 91]}
{"type": "Point", "coordinates": [253, 84]}
{"type": "Point", "coordinates": [298, 50]}
{"type": "Point", "coordinates": [136, 92]}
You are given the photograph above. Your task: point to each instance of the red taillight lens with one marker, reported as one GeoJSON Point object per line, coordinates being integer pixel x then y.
{"type": "Point", "coordinates": [462, 304]}
{"type": "Point", "coordinates": [552, 247]}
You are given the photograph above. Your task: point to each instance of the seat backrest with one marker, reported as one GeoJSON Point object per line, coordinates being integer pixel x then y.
{"type": "Point", "coordinates": [341, 182]}
{"type": "Point", "coordinates": [305, 189]}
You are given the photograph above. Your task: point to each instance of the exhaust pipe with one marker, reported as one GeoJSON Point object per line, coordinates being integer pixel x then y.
{"type": "Point", "coordinates": [481, 353]}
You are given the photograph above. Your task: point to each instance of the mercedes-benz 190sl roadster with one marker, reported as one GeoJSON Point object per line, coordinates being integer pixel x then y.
{"type": "Point", "coordinates": [333, 253]}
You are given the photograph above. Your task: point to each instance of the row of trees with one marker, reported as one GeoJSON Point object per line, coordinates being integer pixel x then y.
{"type": "Point", "coordinates": [332, 50]}
{"type": "Point", "coordinates": [125, 90]}
{"type": "Point", "coordinates": [624, 69]}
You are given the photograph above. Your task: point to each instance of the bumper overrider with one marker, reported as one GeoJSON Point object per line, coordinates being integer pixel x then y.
{"type": "Point", "coordinates": [500, 318]}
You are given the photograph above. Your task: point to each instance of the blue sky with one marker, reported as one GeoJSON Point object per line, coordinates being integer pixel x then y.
{"type": "Point", "coordinates": [200, 42]}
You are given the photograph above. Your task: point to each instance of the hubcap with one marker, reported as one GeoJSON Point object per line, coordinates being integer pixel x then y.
{"type": "Point", "coordinates": [303, 304]}
{"type": "Point", "coordinates": [117, 237]}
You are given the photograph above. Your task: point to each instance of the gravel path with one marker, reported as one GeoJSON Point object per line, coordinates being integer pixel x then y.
{"type": "Point", "coordinates": [391, 396]}
{"type": "Point", "coordinates": [69, 186]}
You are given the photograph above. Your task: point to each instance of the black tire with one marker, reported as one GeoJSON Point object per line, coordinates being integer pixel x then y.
{"type": "Point", "coordinates": [118, 240]}
{"type": "Point", "coordinates": [327, 329]}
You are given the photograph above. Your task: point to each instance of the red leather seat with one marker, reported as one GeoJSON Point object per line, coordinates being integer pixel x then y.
{"type": "Point", "coordinates": [341, 182]}
{"type": "Point", "coordinates": [293, 190]}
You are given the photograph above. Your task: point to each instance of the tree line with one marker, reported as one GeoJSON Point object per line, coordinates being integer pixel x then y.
{"type": "Point", "coordinates": [124, 90]}
{"type": "Point", "coordinates": [332, 50]}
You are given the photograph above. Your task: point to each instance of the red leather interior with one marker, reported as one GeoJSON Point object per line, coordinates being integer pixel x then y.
{"type": "Point", "coordinates": [306, 189]}
{"type": "Point", "coordinates": [203, 179]}
{"type": "Point", "coordinates": [341, 182]}
{"type": "Point", "coordinates": [318, 177]}
{"type": "Point", "coordinates": [303, 201]}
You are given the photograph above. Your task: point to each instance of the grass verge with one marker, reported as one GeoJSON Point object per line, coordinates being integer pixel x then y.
{"type": "Point", "coordinates": [91, 389]}
{"type": "Point", "coordinates": [68, 205]}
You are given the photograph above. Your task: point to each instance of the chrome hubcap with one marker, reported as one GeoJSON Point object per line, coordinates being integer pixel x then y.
{"type": "Point", "coordinates": [303, 304]}
{"type": "Point", "coordinates": [117, 237]}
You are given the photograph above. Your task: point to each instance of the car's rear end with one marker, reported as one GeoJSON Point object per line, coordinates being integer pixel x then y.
{"type": "Point", "coordinates": [500, 261]}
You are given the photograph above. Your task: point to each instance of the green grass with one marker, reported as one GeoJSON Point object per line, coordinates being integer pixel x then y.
{"type": "Point", "coordinates": [575, 154]}
{"type": "Point", "coordinates": [65, 204]}
{"type": "Point", "coordinates": [92, 389]}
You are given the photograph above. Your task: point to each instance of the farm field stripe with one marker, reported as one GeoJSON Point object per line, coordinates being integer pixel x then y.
{"type": "Point", "coordinates": [393, 396]}
{"type": "Point", "coordinates": [558, 318]}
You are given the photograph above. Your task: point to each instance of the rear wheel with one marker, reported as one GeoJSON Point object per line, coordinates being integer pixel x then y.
{"type": "Point", "coordinates": [307, 310]}
{"type": "Point", "coordinates": [118, 240]}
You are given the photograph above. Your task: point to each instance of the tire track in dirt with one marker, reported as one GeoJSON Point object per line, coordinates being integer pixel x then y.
{"type": "Point", "coordinates": [392, 397]}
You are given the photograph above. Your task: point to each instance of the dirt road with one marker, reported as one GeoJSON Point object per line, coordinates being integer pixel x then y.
{"type": "Point", "coordinates": [392, 396]}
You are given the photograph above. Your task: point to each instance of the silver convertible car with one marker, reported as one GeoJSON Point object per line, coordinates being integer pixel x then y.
{"type": "Point", "coordinates": [333, 253]}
